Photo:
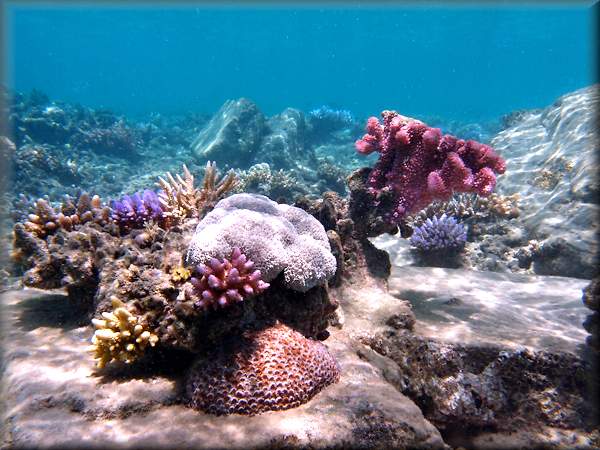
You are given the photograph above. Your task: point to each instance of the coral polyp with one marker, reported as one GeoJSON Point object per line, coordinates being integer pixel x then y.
{"type": "Point", "coordinates": [221, 283]}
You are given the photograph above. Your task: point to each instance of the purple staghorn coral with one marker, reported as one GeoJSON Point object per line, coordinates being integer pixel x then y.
{"type": "Point", "coordinates": [418, 165]}
{"type": "Point", "coordinates": [135, 211]}
{"type": "Point", "coordinates": [220, 283]}
{"type": "Point", "coordinates": [439, 234]}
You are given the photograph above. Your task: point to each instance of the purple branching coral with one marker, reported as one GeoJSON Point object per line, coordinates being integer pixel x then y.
{"type": "Point", "coordinates": [220, 283]}
{"type": "Point", "coordinates": [440, 234]}
{"type": "Point", "coordinates": [137, 210]}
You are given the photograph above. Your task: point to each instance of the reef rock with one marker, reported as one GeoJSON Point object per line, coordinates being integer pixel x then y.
{"type": "Point", "coordinates": [552, 163]}
{"type": "Point", "coordinates": [461, 306]}
{"type": "Point", "coordinates": [591, 299]}
{"type": "Point", "coordinates": [233, 135]}
{"type": "Point", "coordinates": [285, 146]}
{"type": "Point", "coordinates": [240, 136]}
{"type": "Point", "coordinates": [277, 237]}
{"type": "Point", "coordinates": [54, 397]}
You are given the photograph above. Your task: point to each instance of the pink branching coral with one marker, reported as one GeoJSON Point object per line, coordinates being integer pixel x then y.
{"type": "Point", "coordinates": [220, 283]}
{"type": "Point", "coordinates": [418, 165]}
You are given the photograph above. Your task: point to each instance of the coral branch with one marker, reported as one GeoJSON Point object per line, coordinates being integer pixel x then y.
{"type": "Point", "coordinates": [218, 284]}
{"type": "Point", "coordinates": [418, 165]}
{"type": "Point", "coordinates": [180, 199]}
{"type": "Point", "coordinates": [120, 336]}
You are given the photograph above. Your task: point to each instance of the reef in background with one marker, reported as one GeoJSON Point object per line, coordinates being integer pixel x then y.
{"type": "Point", "coordinates": [240, 290]}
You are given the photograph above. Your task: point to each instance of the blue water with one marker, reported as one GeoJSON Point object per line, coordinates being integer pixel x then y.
{"type": "Point", "coordinates": [460, 63]}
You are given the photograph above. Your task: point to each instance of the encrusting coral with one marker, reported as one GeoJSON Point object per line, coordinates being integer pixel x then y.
{"type": "Point", "coordinates": [120, 336]}
{"type": "Point", "coordinates": [267, 370]}
{"type": "Point", "coordinates": [179, 197]}
{"type": "Point", "coordinates": [218, 284]}
{"type": "Point", "coordinates": [179, 274]}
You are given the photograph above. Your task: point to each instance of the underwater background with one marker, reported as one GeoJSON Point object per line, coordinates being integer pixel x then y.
{"type": "Point", "coordinates": [286, 225]}
{"type": "Point", "coordinates": [470, 62]}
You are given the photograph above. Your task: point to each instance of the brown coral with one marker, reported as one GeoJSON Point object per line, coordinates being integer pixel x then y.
{"type": "Point", "coordinates": [45, 220]}
{"type": "Point", "coordinates": [268, 370]}
{"type": "Point", "coordinates": [180, 198]}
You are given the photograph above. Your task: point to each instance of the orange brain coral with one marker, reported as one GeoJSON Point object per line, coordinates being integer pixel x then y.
{"type": "Point", "coordinates": [268, 370]}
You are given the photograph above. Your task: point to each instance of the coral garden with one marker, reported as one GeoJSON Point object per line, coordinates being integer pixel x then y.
{"type": "Point", "coordinates": [243, 276]}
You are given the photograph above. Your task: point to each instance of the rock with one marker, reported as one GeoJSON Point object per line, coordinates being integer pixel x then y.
{"type": "Point", "coordinates": [232, 136]}
{"type": "Point", "coordinates": [565, 257]}
{"type": "Point", "coordinates": [474, 386]}
{"type": "Point", "coordinates": [285, 145]}
{"type": "Point", "coordinates": [551, 162]}
{"type": "Point", "coordinates": [591, 299]}
{"type": "Point", "coordinates": [512, 310]}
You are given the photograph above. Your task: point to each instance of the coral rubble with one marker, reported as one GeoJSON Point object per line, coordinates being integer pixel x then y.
{"type": "Point", "coordinates": [267, 370]}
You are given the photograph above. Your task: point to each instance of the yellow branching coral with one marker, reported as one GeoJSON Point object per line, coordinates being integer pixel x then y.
{"type": "Point", "coordinates": [180, 274]}
{"type": "Point", "coordinates": [181, 199]}
{"type": "Point", "coordinates": [120, 336]}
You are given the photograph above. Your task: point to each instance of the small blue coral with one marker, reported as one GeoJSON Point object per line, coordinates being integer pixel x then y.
{"type": "Point", "coordinates": [440, 234]}
{"type": "Point", "coordinates": [137, 210]}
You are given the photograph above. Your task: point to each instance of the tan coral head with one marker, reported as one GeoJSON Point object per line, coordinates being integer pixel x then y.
{"type": "Point", "coordinates": [120, 336]}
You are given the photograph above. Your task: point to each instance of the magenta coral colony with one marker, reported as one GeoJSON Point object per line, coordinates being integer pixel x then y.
{"type": "Point", "coordinates": [418, 165]}
{"type": "Point", "coordinates": [220, 283]}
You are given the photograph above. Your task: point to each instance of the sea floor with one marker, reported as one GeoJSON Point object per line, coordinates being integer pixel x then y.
{"type": "Point", "coordinates": [54, 397]}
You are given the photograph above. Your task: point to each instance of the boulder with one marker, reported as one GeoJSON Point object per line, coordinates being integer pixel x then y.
{"type": "Point", "coordinates": [232, 136]}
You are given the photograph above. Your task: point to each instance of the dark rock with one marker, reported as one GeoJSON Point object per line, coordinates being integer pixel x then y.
{"type": "Point", "coordinates": [232, 136]}
{"type": "Point", "coordinates": [565, 257]}
{"type": "Point", "coordinates": [475, 387]}
{"type": "Point", "coordinates": [284, 145]}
